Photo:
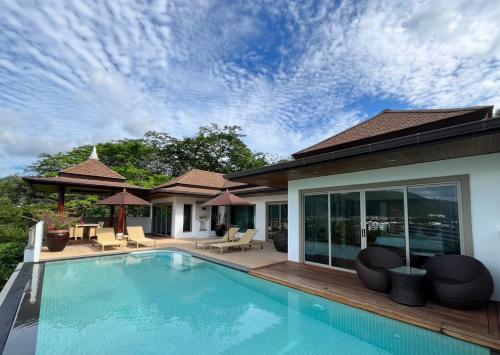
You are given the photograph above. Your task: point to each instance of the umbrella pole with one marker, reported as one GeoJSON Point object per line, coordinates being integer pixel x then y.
{"type": "Point", "coordinates": [121, 220]}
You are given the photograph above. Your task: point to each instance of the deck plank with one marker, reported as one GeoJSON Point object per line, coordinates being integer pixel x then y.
{"type": "Point", "coordinates": [477, 326]}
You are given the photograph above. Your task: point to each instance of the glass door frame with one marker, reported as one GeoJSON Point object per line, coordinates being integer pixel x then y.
{"type": "Point", "coordinates": [274, 203]}
{"type": "Point", "coordinates": [362, 221]}
{"type": "Point", "coordinates": [160, 205]}
{"type": "Point", "coordinates": [362, 190]}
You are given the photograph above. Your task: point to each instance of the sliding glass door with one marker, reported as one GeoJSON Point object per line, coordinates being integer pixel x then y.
{"type": "Point", "coordinates": [345, 228]}
{"type": "Point", "coordinates": [416, 222]}
{"type": "Point", "coordinates": [434, 223]}
{"type": "Point", "coordinates": [385, 219]}
{"type": "Point", "coordinates": [317, 240]}
{"type": "Point", "coordinates": [162, 219]}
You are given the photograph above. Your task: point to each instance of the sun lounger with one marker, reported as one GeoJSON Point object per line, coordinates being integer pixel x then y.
{"type": "Point", "coordinates": [244, 242]}
{"type": "Point", "coordinates": [106, 238]}
{"type": "Point", "coordinates": [136, 235]}
{"type": "Point", "coordinates": [228, 237]}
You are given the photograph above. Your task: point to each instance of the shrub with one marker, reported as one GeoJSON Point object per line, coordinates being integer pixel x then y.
{"type": "Point", "coordinates": [10, 255]}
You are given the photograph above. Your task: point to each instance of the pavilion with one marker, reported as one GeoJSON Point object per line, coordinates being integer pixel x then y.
{"type": "Point", "coordinates": [88, 177]}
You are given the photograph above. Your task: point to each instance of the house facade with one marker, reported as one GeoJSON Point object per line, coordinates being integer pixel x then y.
{"type": "Point", "coordinates": [177, 209]}
{"type": "Point", "coordinates": [419, 182]}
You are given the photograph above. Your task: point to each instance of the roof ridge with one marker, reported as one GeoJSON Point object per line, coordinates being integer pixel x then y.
{"type": "Point", "coordinates": [471, 108]}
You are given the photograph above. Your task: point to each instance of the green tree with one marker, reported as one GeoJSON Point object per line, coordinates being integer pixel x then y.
{"type": "Point", "coordinates": [213, 148]}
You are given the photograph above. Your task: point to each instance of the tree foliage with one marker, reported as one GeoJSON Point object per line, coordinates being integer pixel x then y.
{"type": "Point", "coordinates": [157, 157]}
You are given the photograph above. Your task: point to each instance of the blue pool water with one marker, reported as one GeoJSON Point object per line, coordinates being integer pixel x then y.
{"type": "Point", "coordinates": [172, 303]}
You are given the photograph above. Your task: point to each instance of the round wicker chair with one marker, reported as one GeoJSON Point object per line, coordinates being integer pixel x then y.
{"type": "Point", "coordinates": [372, 265]}
{"type": "Point", "coordinates": [458, 281]}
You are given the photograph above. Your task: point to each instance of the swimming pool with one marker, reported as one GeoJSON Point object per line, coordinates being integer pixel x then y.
{"type": "Point", "coordinates": [169, 302]}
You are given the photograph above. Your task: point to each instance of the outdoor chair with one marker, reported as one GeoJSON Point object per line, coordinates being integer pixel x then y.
{"type": "Point", "coordinates": [245, 242]}
{"type": "Point", "coordinates": [106, 237]}
{"type": "Point", "coordinates": [458, 281]}
{"type": "Point", "coordinates": [228, 237]}
{"type": "Point", "coordinates": [372, 265]}
{"type": "Point", "coordinates": [136, 235]}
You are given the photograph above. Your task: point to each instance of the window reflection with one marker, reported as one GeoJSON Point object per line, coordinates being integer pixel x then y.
{"type": "Point", "coordinates": [433, 221]}
{"type": "Point", "coordinates": [316, 228]}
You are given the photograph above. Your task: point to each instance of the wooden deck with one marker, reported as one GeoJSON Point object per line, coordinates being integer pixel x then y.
{"type": "Point", "coordinates": [480, 326]}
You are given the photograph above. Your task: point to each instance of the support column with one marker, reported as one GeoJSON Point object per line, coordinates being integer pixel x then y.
{"type": "Point", "coordinates": [60, 202]}
{"type": "Point", "coordinates": [121, 219]}
{"type": "Point", "coordinates": [111, 216]}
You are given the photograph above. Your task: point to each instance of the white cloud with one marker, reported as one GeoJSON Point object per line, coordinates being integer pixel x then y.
{"type": "Point", "coordinates": [290, 73]}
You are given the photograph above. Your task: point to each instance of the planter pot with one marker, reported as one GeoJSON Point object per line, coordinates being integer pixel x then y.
{"type": "Point", "coordinates": [220, 229]}
{"type": "Point", "coordinates": [57, 240]}
{"type": "Point", "coordinates": [281, 242]}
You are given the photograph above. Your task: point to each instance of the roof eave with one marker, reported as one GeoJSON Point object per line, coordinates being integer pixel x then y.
{"type": "Point", "coordinates": [453, 132]}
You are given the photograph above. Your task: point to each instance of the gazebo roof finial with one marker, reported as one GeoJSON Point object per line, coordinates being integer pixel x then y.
{"type": "Point", "coordinates": [93, 155]}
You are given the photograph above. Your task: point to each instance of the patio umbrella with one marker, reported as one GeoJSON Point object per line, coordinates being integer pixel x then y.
{"type": "Point", "coordinates": [227, 199]}
{"type": "Point", "coordinates": [123, 199]}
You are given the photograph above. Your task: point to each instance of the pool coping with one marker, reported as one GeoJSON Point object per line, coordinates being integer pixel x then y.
{"type": "Point", "coordinates": [10, 300]}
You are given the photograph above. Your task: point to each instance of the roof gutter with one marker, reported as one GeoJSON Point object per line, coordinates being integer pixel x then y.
{"type": "Point", "coordinates": [476, 128]}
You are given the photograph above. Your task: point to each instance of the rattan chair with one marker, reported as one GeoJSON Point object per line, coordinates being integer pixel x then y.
{"type": "Point", "coordinates": [372, 265]}
{"type": "Point", "coordinates": [458, 281]}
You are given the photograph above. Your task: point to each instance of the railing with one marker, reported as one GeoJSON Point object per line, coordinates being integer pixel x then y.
{"type": "Point", "coordinates": [34, 247]}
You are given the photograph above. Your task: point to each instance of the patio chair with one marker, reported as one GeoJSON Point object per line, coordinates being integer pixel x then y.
{"type": "Point", "coordinates": [106, 238]}
{"type": "Point", "coordinates": [245, 241]}
{"type": "Point", "coordinates": [459, 281]}
{"type": "Point", "coordinates": [136, 235]}
{"type": "Point", "coordinates": [372, 266]}
{"type": "Point", "coordinates": [228, 237]}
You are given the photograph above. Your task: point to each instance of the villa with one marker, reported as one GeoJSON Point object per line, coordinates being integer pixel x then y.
{"type": "Point", "coordinates": [418, 183]}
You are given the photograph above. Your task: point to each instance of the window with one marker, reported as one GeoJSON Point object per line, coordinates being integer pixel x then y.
{"type": "Point", "coordinates": [188, 211]}
{"type": "Point", "coordinates": [243, 217]}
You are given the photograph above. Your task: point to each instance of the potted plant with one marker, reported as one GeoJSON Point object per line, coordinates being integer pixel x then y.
{"type": "Point", "coordinates": [57, 230]}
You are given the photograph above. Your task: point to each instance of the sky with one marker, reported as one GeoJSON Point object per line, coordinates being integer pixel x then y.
{"type": "Point", "coordinates": [290, 73]}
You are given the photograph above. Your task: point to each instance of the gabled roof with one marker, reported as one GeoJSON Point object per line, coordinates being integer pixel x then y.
{"type": "Point", "coordinates": [91, 168]}
{"type": "Point", "coordinates": [201, 178]}
{"type": "Point", "coordinates": [203, 183]}
{"type": "Point", "coordinates": [393, 123]}
{"type": "Point", "coordinates": [197, 177]}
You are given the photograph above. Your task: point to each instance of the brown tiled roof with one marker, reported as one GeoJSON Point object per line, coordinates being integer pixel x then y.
{"type": "Point", "coordinates": [204, 183]}
{"type": "Point", "coordinates": [187, 190]}
{"type": "Point", "coordinates": [198, 177]}
{"type": "Point", "coordinates": [92, 168]}
{"type": "Point", "coordinates": [396, 122]}
{"type": "Point", "coordinates": [64, 180]}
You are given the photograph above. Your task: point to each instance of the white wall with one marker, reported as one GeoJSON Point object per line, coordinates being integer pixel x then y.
{"type": "Point", "coordinates": [261, 210]}
{"type": "Point", "coordinates": [484, 174]}
{"type": "Point", "coordinates": [178, 216]}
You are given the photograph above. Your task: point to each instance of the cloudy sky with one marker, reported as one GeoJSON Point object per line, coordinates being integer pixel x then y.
{"type": "Point", "coordinates": [290, 73]}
